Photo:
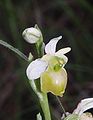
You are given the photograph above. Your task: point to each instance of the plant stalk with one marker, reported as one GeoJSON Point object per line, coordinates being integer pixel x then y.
{"type": "Point", "coordinates": [43, 100]}
{"type": "Point", "coordinates": [45, 106]}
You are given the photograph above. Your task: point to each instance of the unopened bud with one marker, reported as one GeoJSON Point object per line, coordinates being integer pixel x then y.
{"type": "Point", "coordinates": [31, 35]}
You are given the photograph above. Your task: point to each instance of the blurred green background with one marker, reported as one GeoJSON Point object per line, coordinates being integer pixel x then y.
{"type": "Point", "coordinates": [71, 18]}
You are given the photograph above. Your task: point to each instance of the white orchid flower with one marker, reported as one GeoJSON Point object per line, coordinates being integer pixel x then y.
{"type": "Point", "coordinates": [83, 106]}
{"type": "Point", "coordinates": [32, 35]}
{"type": "Point", "coordinates": [50, 68]}
{"type": "Point", "coordinates": [80, 112]}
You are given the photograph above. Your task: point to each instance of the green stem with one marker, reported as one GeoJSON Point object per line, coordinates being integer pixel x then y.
{"type": "Point", "coordinates": [43, 100]}
{"type": "Point", "coordinates": [45, 106]}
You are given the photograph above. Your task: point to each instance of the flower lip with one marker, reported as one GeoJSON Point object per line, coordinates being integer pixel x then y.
{"type": "Point", "coordinates": [54, 81]}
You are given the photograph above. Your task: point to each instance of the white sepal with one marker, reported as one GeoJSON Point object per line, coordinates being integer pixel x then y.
{"type": "Point", "coordinates": [36, 68]}
{"type": "Point", "coordinates": [83, 106]}
{"type": "Point", "coordinates": [31, 35]}
{"type": "Point", "coordinates": [50, 48]}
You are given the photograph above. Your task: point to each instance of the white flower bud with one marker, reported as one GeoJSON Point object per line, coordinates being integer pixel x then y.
{"type": "Point", "coordinates": [31, 35]}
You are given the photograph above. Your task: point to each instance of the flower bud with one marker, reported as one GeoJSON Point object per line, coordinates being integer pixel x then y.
{"type": "Point", "coordinates": [31, 35]}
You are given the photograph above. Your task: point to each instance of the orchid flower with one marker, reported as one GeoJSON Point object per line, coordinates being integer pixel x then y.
{"type": "Point", "coordinates": [83, 106]}
{"type": "Point", "coordinates": [80, 112]}
{"type": "Point", "coordinates": [50, 69]}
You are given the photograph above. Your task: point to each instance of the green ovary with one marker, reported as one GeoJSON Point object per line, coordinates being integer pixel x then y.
{"type": "Point", "coordinates": [54, 81]}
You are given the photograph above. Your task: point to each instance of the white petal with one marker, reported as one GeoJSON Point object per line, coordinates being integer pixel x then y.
{"type": "Point", "coordinates": [63, 51]}
{"type": "Point", "coordinates": [84, 105]}
{"type": "Point", "coordinates": [36, 68]}
{"type": "Point", "coordinates": [50, 48]}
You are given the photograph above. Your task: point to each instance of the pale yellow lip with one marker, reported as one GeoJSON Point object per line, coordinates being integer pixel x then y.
{"type": "Point", "coordinates": [54, 82]}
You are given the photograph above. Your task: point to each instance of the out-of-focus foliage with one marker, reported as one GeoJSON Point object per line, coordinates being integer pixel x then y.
{"type": "Point", "coordinates": [71, 18]}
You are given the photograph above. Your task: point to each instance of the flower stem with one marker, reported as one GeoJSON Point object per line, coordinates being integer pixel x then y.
{"type": "Point", "coordinates": [45, 106]}
{"type": "Point", "coordinates": [43, 100]}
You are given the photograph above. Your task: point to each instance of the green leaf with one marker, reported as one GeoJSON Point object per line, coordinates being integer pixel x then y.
{"type": "Point", "coordinates": [39, 117]}
{"type": "Point", "coordinates": [72, 117]}
{"type": "Point", "coordinates": [5, 44]}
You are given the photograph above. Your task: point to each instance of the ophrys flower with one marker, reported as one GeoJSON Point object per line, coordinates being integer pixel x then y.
{"type": "Point", "coordinates": [50, 69]}
{"type": "Point", "coordinates": [80, 112]}
{"type": "Point", "coordinates": [82, 107]}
